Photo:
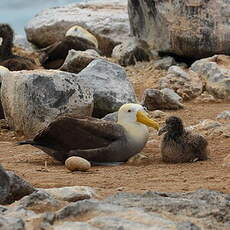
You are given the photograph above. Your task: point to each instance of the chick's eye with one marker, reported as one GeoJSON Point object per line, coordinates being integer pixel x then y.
{"type": "Point", "coordinates": [129, 110]}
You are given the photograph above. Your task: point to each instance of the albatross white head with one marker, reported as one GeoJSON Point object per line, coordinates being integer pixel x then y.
{"type": "Point", "coordinates": [135, 114]}
{"type": "Point", "coordinates": [134, 119]}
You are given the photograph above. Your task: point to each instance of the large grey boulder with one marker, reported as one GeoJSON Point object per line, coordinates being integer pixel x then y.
{"type": "Point", "coordinates": [110, 84]}
{"type": "Point", "coordinates": [106, 20]}
{"type": "Point", "coordinates": [32, 99]}
{"type": "Point", "coordinates": [185, 83]}
{"type": "Point", "coordinates": [191, 28]}
{"type": "Point", "coordinates": [215, 72]}
{"type": "Point", "coordinates": [208, 208]}
{"type": "Point", "coordinates": [202, 209]}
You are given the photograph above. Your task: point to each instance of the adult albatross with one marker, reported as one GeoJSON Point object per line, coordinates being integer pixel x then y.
{"type": "Point", "coordinates": [97, 140]}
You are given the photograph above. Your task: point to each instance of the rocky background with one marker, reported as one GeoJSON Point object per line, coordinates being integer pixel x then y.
{"type": "Point", "coordinates": [166, 55]}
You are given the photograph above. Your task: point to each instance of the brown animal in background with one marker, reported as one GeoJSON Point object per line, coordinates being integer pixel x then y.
{"type": "Point", "coordinates": [179, 145]}
{"type": "Point", "coordinates": [7, 58]}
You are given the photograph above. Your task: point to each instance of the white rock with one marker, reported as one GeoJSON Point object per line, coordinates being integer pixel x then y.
{"type": "Point", "coordinates": [72, 194]}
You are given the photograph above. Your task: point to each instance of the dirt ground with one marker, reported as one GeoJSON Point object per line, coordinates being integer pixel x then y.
{"type": "Point", "coordinates": [29, 162]}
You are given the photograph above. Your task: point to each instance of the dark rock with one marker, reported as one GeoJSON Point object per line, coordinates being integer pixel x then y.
{"type": "Point", "coordinates": [164, 63]}
{"type": "Point", "coordinates": [18, 188]}
{"type": "Point", "coordinates": [4, 185]}
{"type": "Point", "coordinates": [131, 51]}
{"type": "Point", "coordinates": [12, 187]}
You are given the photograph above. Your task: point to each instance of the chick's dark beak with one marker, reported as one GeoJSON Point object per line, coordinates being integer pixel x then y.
{"type": "Point", "coordinates": [162, 130]}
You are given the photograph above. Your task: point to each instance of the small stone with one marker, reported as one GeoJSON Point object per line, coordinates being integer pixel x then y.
{"type": "Point", "coordinates": [158, 114]}
{"type": "Point", "coordinates": [226, 161]}
{"type": "Point", "coordinates": [77, 163]}
{"type": "Point", "coordinates": [224, 115]}
{"type": "Point", "coordinates": [138, 159]}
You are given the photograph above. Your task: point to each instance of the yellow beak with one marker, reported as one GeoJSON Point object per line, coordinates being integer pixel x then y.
{"type": "Point", "coordinates": [142, 118]}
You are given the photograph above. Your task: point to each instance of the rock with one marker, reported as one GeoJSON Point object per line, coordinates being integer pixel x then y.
{"type": "Point", "coordinates": [223, 130]}
{"type": "Point", "coordinates": [4, 185]}
{"type": "Point", "coordinates": [109, 216]}
{"type": "Point", "coordinates": [82, 34]}
{"type": "Point", "coordinates": [75, 226]}
{"type": "Point", "coordinates": [202, 209]}
{"type": "Point", "coordinates": [110, 84]}
{"type": "Point", "coordinates": [72, 194]}
{"type": "Point", "coordinates": [11, 223]}
{"type": "Point", "coordinates": [206, 124]}
{"type": "Point", "coordinates": [18, 188]}
{"type": "Point", "coordinates": [76, 61]}
{"type": "Point", "coordinates": [138, 159]}
{"type": "Point", "coordinates": [164, 63]}
{"type": "Point", "coordinates": [208, 208]}
{"type": "Point", "coordinates": [187, 85]}
{"type": "Point", "coordinates": [110, 26]}
{"type": "Point", "coordinates": [161, 99]}
{"type": "Point", "coordinates": [206, 98]}
{"type": "Point", "coordinates": [12, 187]}
{"type": "Point", "coordinates": [131, 51]}
{"type": "Point", "coordinates": [226, 161]}
{"type": "Point", "coordinates": [111, 117]}
{"type": "Point", "coordinates": [215, 72]}
{"type": "Point", "coordinates": [32, 99]}
{"type": "Point", "coordinates": [38, 200]}
{"type": "Point", "coordinates": [4, 72]}
{"type": "Point", "coordinates": [224, 115]}
{"type": "Point", "coordinates": [158, 114]}
{"type": "Point", "coordinates": [21, 42]}
{"type": "Point", "coordinates": [187, 225]}
{"type": "Point", "coordinates": [77, 163]}
{"type": "Point", "coordinates": [185, 28]}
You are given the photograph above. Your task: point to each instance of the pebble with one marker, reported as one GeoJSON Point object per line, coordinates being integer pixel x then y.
{"type": "Point", "coordinates": [77, 163]}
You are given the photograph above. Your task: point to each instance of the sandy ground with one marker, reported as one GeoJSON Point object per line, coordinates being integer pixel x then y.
{"type": "Point", "coordinates": [154, 174]}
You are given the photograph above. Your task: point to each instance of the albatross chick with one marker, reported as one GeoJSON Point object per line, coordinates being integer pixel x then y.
{"type": "Point", "coordinates": [179, 145]}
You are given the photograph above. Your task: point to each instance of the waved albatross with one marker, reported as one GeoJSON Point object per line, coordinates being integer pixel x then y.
{"type": "Point", "coordinates": [179, 145]}
{"type": "Point", "coordinates": [97, 140]}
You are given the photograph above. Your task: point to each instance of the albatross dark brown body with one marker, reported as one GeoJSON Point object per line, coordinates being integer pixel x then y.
{"type": "Point", "coordinates": [7, 58]}
{"type": "Point", "coordinates": [53, 56]}
{"type": "Point", "coordinates": [179, 145]}
{"type": "Point", "coordinates": [93, 139]}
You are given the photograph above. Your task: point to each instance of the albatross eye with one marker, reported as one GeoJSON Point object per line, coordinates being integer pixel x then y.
{"type": "Point", "coordinates": [129, 111]}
